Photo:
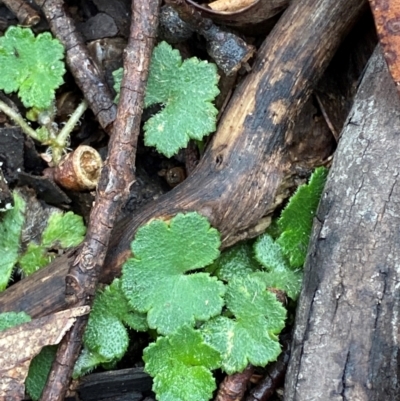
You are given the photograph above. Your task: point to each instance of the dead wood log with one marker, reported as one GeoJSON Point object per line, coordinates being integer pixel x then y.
{"type": "Point", "coordinates": [247, 169]}
{"type": "Point", "coordinates": [346, 341]}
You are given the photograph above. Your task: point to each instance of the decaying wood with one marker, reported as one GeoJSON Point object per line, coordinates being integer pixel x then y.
{"type": "Point", "coordinates": [387, 20]}
{"type": "Point", "coordinates": [346, 343]}
{"type": "Point", "coordinates": [133, 383]}
{"type": "Point", "coordinates": [246, 171]}
{"type": "Point", "coordinates": [117, 175]}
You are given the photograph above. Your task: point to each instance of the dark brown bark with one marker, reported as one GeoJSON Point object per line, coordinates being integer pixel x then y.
{"type": "Point", "coordinates": [233, 387]}
{"type": "Point", "coordinates": [346, 344]}
{"type": "Point", "coordinates": [84, 70]}
{"type": "Point", "coordinates": [112, 191]}
{"type": "Point", "coordinates": [246, 171]}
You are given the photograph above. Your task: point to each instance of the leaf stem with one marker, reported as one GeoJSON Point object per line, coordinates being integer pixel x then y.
{"type": "Point", "coordinates": [18, 119]}
{"type": "Point", "coordinates": [69, 126]}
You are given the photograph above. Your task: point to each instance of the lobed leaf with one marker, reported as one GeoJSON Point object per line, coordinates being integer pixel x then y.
{"type": "Point", "coordinates": [180, 365]}
{"type": "Point", "coordinates": [10, 233]}
{"type": "Point", "coordinates": [31, 65]}
{"type": "Point", "coordinates": [186, 90]}
{"type": "Point", "coordinates": [154, 281]}
{"type": "Point", "coordinates": [297, 218]}
{"type": "Point", "coordinates": [237, 261]}
{"type": "Point", "coordinates": [251, 336]}
{"type": "Point", "coordinates": [65, 230]}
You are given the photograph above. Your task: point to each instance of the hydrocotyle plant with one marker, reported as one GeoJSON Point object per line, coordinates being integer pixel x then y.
{"type": "Point", "coordinates": [209, 311]}
{"type": "Point", "coordinates": [185, 90]}
{"type": "Point", "coordinates": [33, 67]}
{"type": "Point", "coordinates": [63, 230]}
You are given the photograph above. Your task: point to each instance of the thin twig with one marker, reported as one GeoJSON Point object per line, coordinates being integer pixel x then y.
{"type": "Point", "coordinates": [26, 15]}
{"type": "Point", "coordinates": [113, 189]}
{"type": "Point", "coordinates": [84, 70]}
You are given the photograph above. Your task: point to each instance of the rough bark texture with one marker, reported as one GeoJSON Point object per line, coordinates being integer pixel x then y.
{"type": "Point", "coordinates": [117, 175]}
{"type": "Point", "coordinates": [247, 169]}
{"type": "Point", "coordinates": [346, 336]}
{"type": "Point", "coordinates": [85, 72]}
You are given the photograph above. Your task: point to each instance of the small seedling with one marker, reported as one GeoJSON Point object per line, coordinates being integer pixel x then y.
{"type": "Point", "coordinates": [63, 230]}
{"type": "Point", "coordinates": [34, 68]}
{"type": "Point", "coordinates": [186, 90]}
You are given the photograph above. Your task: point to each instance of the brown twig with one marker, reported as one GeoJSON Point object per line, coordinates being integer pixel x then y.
{"type": "Point", "coordinates": [273, 377]}
{"type": "Point", "coordinates": [85, 72]}
{"type": "Point", "coordinates": [23, 11]}
{"type": "Point", "coordinates": [229, 51]}
{"type": "Point", "coordinates": [113, 189]}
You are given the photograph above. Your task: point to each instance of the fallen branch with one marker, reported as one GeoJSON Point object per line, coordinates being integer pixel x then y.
{"type": "Point", "coordinates": [346, 331]}
{"type": "Point", "coordinates": [113, 189]}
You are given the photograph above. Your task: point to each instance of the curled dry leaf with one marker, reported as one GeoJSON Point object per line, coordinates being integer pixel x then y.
{"type": "Point", "coordinates": [230, 5]}
{"type": "Point", "coordinates": [387, 21]}
{"type": "Point", "coordinates": [18, 346]}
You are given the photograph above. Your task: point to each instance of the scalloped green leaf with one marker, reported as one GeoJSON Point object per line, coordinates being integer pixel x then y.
{"type": "Point", "coordinates": [106, 336]}
{"type": "Point", "coordinates": [63, 229]}
{"type": "Point", "coordinates": [180, 365]}
{"type": "Point", "coordinates": [111, 301]}
{"type": "Point", "coordinates": [186, 89]}
{"type": "Point", "coordinates": [287, 280]}
{"type": "Point", "coordinates": [11, 319]}
{"type": "Point", "coordinates": [10, 233]}
{"type": "Point", "coordinates": [237, 261]}
{"type": "Point", "coordinates": [31, 65]}
{"type": "Point", "coordinates": [269, 253]}
{"type": "Point", "coordinates": [86, 362]}
{"type": "Point", "coordinates": [252, 336]}
{"type": "Point", "coordinates": [154, 280]}
{"type": "Point", "coordinates": [297, 218]}
{"type": "Point", "coordinates": [39, 370]}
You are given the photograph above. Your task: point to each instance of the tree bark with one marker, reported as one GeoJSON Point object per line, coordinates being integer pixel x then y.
{"type": "Point", "coordinates": [249, 167]}
{"type": "Point", "coordinates": [346, 337]}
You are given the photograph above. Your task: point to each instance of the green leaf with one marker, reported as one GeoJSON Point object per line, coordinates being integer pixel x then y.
{"type": "Point", "coordinates": [186, 90]}
{"type": "Point", "coordinates": [10, 233]}
{"type": "Point", "coordinates": [112, 302]}
{"type": "Point", "coordinates": [86, 362]}
{"type": "Point", "coordinates": [297, 218]}
{"type": "Point", "coordinates": [154, 280]}
{"type": "Point", "coordinates": [107, 336]}
{"type": "Point", "coordinates": [39, 369]}
{"type": "Point", "coordinates": [269, 253]}
{"type": "Point", "coordinates": [286, 280]}
{"type": "Point", "coordinates": [251, 337]}
{"type": "Point", "coordinates": [180, 365]}
{"type": "Point", "coordinates": [31, 65]}
{"type": "Point", "coordinates": [11, 319]}
{"type": "Point", "coordinates": [237, 261]}
{"type": "Point", "coordinates": [33, 259]}
{"type": "Point", "coordinates": [63, 229]}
